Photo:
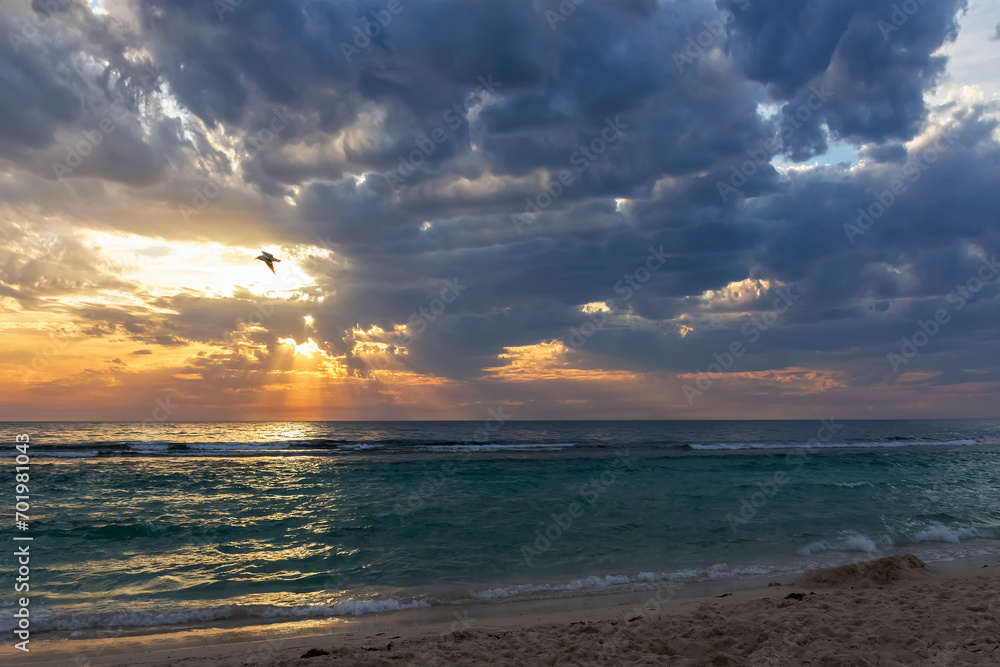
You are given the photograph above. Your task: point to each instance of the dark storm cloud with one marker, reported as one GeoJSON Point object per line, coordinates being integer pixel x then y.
{"type": "Point", "coordinates": [557, 88]}
{"type": "Point", "coordinates": [856, 300]}
{"type": "Point", "coordinates": [685, 83]}
{"type": "Point", "coordinates": [35, 100]}
{"type": "Point", "coordinates": [78, 101]}
{"type": "Point", "coordinates": [875, 58]}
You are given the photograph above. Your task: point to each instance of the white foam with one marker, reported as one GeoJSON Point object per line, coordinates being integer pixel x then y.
{"type": "Point", "coordinates": [149, 447]}
{"type": "Point", "coordinates": [236, 446]}
{"type": "Point", "coordinates": [944, 534]}
{"type": "Point", "coordinates": [613, 582]}
{"type": "Point", "coordinates": [492, 447]}
{"type": "Point", "coordinates": [864, 544]}
{"type": "Point", "coordinates": [234, 453]}
{"type": "Point", "coordinates": [723, 571]}
{"type": "Point", "coordinates": [592, 582]}
{"type": "Point", "coordinates": [46, 620]}
{"type": "Point", "coordinates": [951, 553]}
{"type": "Point", "coordinates": [860, 543]}
{"type": "Point", "coordinates": [833, 445]}
{"type": "Point", "coordinates": [358, 446]}
{"type": "Point", "coordinates": [347, 607]}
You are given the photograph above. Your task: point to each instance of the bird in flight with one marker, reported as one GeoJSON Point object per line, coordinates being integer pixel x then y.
{"type": "Point", "coordinates": [268, 259]}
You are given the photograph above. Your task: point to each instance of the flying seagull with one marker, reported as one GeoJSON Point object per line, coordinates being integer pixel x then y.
{"type": "Point", "coordinates": [268, 259]}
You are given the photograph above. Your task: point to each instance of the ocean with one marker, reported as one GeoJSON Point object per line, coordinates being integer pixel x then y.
{"type": "Point", "coordinates": [147, 527]}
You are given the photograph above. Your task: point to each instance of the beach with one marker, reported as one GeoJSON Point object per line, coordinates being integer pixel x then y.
{"type": "Point", "coordinates": [892, 611]}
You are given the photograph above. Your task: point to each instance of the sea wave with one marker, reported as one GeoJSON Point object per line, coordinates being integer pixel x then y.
{"type": "Point", "coordinates": [498, 447]}
{"type": "Point", "coordinates": [164, 448]}
{"type": "Point", "coordinates": [831, 445]}
{"type": "Point", "coordinates": [47, 620]}
{"type": "Point", "coordinates": [858, 542]}
{"type": "Point", "coordinates": [228, 446]}
{"type": "Point", "coordinates": [416, 446]}
{"type": "Point", "coordinates": [149, 447]}
{"type": "Point", "coordinates": [346, 607]}
{"type": "Point", "coordinates": [591, 583]}
{"type": "Point", "coordinates": [360, 446]}
{"type": "Point", "coordinates": [854, 543]}
{"type": "Point", "coordinates": [618, 582]}
{"type": "Point", "coordinates": [940, 533]}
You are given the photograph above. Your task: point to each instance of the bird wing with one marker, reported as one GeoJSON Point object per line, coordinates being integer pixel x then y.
{"type": "Point", "coordinates": [268, 259]}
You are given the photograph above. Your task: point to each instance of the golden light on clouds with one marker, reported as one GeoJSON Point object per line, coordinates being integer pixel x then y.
{"type": "Point", "coordinates": [595, 307]}
{"type": "Point", "coordinates": [739, 292]}
{"type": "Point", "coordinates": [149, 316]}
{"type": "Point", "coordinates": [797, 380]}
{"type": "Point", "coordinates": [373, 330]}
{"type": "Point", "coordinates": [548, 360]}
{"type": "Point", "coordinates": [308, 349]}
{"type": "Point", "coordinates": [210, 269]}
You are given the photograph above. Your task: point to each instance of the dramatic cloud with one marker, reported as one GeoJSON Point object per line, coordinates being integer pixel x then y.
{"type": "Point", "coordinates": [636, 209]}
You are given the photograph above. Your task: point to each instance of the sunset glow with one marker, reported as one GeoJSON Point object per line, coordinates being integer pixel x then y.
{"type": "Point", "coordinates": [576, 256]}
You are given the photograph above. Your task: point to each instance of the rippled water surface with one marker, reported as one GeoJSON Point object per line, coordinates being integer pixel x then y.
{"type": "Point", "coordinates": [148, 525]}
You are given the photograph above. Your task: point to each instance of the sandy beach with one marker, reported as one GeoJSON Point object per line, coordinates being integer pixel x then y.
{"type": "Point", "coordinates": [891, 611]}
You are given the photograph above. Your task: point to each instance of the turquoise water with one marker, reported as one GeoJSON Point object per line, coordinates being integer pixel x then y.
{"type": "Point", "coordinates": [140, 526]}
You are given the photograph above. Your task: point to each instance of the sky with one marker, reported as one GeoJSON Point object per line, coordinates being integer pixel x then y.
{"type": "Point", "coordinates": [521, 209]}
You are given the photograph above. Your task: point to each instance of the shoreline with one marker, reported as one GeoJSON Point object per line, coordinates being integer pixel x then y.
{"type": "Point", "coordinates": [437, 633]}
